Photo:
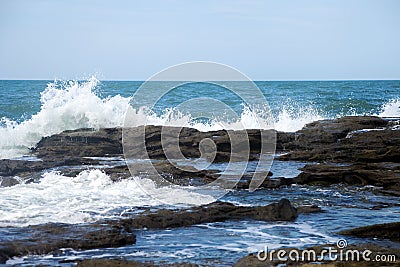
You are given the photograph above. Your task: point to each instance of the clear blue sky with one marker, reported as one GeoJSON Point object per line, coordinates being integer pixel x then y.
{"type": "Point", "coordinates": [267, 40]}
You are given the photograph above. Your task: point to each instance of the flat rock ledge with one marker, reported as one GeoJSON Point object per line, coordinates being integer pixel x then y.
{"type": "Point", "coordinates": [157, 140]}
{"type": "Point", "coordinates": [125, 263]}
{"type": "Point", "coordinates": [384, 174]}
{"type": "Point", "coordinates": [356, 150]}
{"type": "Point", "coordinates": [346, 139]}
{"type": "Point", "coordinates": [389, 231]}
{"type": "Point", "coordinates": [49, 238]}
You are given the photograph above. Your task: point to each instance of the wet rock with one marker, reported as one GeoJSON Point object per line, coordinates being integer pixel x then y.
{"type": "Point", "coordinates": [24, 168]}
{"type": "Point", "coordinates": [331, 130]}
{"type": "Point", "coordinates": [81, 143]}
{"type": "Point", "coordinates": [347, 139]}
{"type": "Point", "coordinates": [112, 263]}
{"type": "Point", "coordinates": [6, 253]}
{"type": "Point", "coordinates": [9, 167]}
{"type": "Point", "coordinates": [271, 183]}
{"type": "Point", "coordinates": [343, 139]}
{"type": "Point", "coordinates": [158, 141]}
{"type": "Point", "coordinates": [286, 141]}
{"type": "Point", "coordinates": [9, 181]}
{"type": "Point", "coordinates": [386, 175]}
{"type": "Point", "coordinates": [308, 209]}
{"type": "Point", "coordinates": [338, 140]}
{"type": "Point", "coordinates": [388, 192]}
{"type": "Point", "coordinates": [42, 239]}
{"type": "Point", "coordinates": [125, 263]}
{"type": "Point", "coordinates": [214, 212]}
{"type": "Point", "coordinates": [389, 231]}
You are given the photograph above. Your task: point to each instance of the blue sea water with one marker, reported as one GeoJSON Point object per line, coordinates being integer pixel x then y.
{"type": "Point", "coordinates": [30, 110]}
{"type": "Point", "coordinates": [21, 98]}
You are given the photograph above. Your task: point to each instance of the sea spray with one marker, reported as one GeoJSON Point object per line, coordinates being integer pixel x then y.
{"type": "Point", "coordinates": [292, 119]}
{"type": "Point", "coordinates": [71, 106]}
{"type": "Point", "coordinates": [390, 109]}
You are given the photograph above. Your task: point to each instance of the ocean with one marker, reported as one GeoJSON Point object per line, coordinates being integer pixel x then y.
{"type": "Point", "coordinates": [31, 110]}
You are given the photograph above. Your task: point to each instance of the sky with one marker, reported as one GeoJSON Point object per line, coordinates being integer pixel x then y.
{"type": "Point", "coordinates": [266, 40]}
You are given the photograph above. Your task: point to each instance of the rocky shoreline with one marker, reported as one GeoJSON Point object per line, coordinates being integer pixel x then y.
{"type": "Point", "coordinates": [51, 237]}
{"type": "Point", "coordinates": [359, 151]}
{"type": "Point", "coordinates": [352, 150]}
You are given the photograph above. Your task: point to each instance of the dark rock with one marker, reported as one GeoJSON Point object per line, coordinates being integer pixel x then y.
{"type": "Point", "coordinates": [347, 139]}
{"type": "Point", "coordinates": [308, 209]}
{"type": "Point", "coordinates": [112, 263]}
{"type": "Point", "coordinates": [329, 131]}
{"type": "Point", "coordinates": [277, 182]}
{"type": "Point", "coordinates": [388, 193]}
{"type": "Point", "coordinates": [25, 168]}
{"type": "Point", "coordinates": [386, 175]}
{"type": "Point", "coordinates": [286, 141]}
{"type": "Point", "coordinates": [159, 140]}
{"type": "Point", "coordinates": [389, 231]}
{"type": "Point", "coordinates": [342, 139]}
{"type": "Point", "coordinates": [6, 253]}
{"type": "Point", "coordinates": [125, 263]}
{"type": "Point", "coordinates": [215, 212]}
{"type": "Point", "coordinates": [81, 143]}
{"type": "Point", "coordinates": [246, 178]}
{"type": "Point", "coordinates": [9, 181]}
{"type": "Point", "coordinates": [318, 133]}
{"type": "Point", "coordinates": [42, 239]}
{"type": "Point", "coordinates": [10, 167]}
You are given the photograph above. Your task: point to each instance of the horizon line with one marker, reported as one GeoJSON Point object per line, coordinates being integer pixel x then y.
{"type": "Point", "coordinates": [255, 80]}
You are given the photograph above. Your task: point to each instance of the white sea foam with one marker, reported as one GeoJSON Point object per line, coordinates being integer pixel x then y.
{"type": "Point", "coordinates": [89, 196]}
{"type": "Point", "coordinates": [288, 120]}
{"type": "Point", "coordinates": [248, 119]}
{"type": "Point", "coordinates": [293, 119]}
{"type": "Point", "coordinates": [65, 106]}
{"type": "Point", "coordinates": [390, 109]}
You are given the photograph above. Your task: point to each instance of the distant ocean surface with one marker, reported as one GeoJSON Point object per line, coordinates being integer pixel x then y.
{"type": "Point", "coordinates": [30, 110]}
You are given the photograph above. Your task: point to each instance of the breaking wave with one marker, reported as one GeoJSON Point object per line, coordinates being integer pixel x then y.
{"type": "Point", "coordinates": [64, 106]}
{"type": "Point", "coordinates": [68, 105]}
{"type": "Point", "coordinates": [390, 109]}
